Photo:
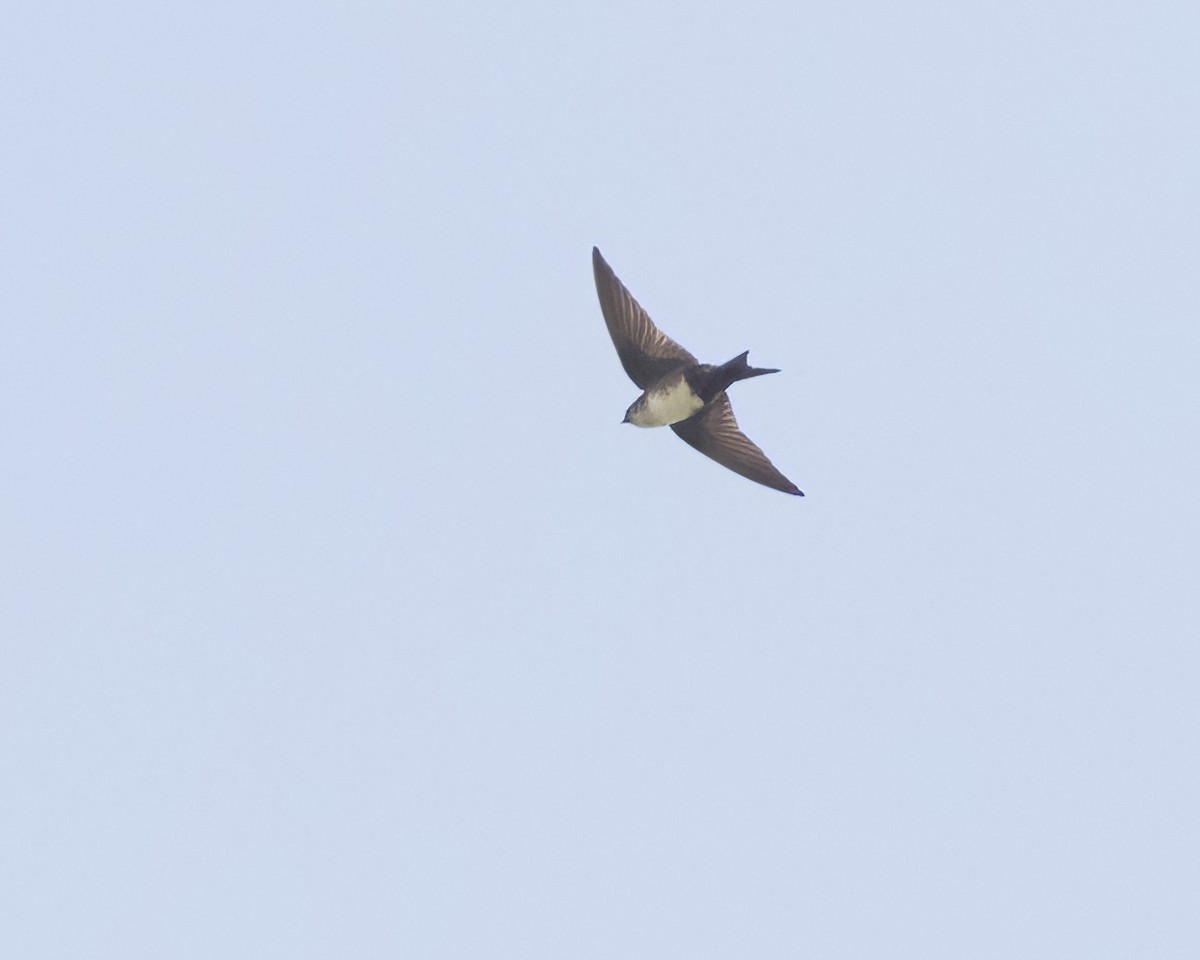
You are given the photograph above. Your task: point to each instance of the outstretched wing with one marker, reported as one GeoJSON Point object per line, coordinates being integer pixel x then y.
{"type": "Point", "coordinates": [646, 353]}
{"type": "Point", "coordinates": [714, 432]}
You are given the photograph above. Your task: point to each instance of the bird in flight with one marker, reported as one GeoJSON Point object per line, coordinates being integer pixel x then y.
{"type": "Point", "coordinates": [677, 390]}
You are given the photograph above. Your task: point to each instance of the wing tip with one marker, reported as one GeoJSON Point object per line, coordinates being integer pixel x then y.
{"type": "Point", "coordinates": [786, 486]}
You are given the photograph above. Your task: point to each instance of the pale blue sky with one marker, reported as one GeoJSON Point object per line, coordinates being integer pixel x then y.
{"type": "Point", "coordinates": [341, 618]}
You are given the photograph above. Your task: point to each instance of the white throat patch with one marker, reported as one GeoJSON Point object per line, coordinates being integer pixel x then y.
{"type": "Point", "coordinates": [666, 405]}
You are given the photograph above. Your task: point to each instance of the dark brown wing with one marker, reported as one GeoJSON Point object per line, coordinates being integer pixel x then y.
{"type": "Point", "coordinates": [646, 353]}
{"type": "Point", "coordinates": [714, 432]}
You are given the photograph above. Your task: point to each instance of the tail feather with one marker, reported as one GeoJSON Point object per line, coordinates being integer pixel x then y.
{"type": "Point", "coordinates": [739, 369]}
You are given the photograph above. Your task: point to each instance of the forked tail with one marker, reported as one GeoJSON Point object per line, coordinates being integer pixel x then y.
{"type": "Point", "coordinates": [739, 369]}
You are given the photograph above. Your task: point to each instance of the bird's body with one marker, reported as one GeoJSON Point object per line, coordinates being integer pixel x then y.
{"type": "Point", "coordinates": [671, 399]}
{"type": "Point", "coordinates": [678, 391]}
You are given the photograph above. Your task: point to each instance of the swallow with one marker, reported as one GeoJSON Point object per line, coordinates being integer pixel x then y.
{"type": "Point", "coordinates": [678, 391]}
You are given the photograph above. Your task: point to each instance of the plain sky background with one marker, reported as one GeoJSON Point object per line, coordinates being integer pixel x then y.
{"type": "Point", "coordinates": [340, 616]}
